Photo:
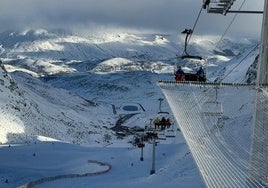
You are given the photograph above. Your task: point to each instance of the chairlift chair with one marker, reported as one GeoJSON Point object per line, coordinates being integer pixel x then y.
{"type": "Point", "coordinates": [197, 60]}
{"type": "Point", "coordinates": [190, 75]}
{"type": "Point", "coordinates": [160, 105]}
{"type": "Point", "coordinates": [170, 134]}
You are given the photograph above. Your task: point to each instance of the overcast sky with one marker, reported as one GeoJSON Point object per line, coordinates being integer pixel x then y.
{"type": "Point", "coordinates": [168, 16]}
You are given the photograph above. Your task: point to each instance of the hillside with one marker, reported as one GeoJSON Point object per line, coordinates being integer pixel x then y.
{"type": "Point", "coordinates": [31, 108]}
{"type": "Point", "coordinates": [95, 75]}
{"type": "Point", "coordinates": [96, 91]}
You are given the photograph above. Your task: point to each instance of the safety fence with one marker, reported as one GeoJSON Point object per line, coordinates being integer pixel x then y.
{"type": "Point", "coordinates": [216, 121]}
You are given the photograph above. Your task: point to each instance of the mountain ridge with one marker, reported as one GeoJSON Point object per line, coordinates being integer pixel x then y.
{"type": "Point", "coordinates": [111, 81]}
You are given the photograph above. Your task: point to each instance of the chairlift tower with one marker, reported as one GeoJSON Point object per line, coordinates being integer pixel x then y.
{"type": "Point", "coordinates": [225, 158]}
{"type": "Point", "coordinates": [259, 145]}
{"type": "Point", "coordinates": [259, 148]}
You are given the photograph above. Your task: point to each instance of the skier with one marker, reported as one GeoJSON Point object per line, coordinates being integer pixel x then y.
{"type": "Point", "coordinates": [163, 123]}
{"type": "Point", "coordinates": [179, 75]}
{"type": "Point", "coordinates": [201, 75]}
{"type": "Point", "coordinates": [168, 123]}
{"type": "Point", "coordinates": [156, 122]}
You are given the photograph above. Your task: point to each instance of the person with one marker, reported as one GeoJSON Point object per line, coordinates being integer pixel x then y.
{"type": "Point", "coordinates": [168, 123]}
{"type": "Point", "coordinates": [179, 75]}
{"type": "Point", "coordinates": [201, 74]}
{"type": "Point", "coordinates": [206, 4]}
{"type": "Point", "coordinates": [163, 123]}
{"type": "Point", "coordinates": [156, 122]}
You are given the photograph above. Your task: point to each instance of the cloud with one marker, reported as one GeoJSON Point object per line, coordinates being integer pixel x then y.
{"type": "Point", "coordinates": [159, 15]}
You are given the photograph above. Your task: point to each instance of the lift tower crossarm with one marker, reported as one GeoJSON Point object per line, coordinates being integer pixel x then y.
{"type": "Point", "coordinates": [220, 6]}
{"type": "Point", "coordinates": [223, 7]}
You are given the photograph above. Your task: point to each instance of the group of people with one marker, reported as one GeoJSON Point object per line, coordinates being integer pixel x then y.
{"type": "Point", "coordinates": [163, 123]}
{"type": "Point", "coordinates": [139, 140]}
{"type": "Point", "coordinates": [180, 75]}
{"type": "Point", "coordinates": [149, 136]}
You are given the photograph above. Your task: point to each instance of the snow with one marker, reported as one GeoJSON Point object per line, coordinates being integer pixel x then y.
{"type": "Point", "coordinates": [48, 159]}
{"type": "Point", "coordinates": [10, 121]}
{"type": "Point", "coordinates": [63, 94]}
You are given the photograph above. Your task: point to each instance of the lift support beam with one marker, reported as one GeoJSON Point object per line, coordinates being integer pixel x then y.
{"type": "Point", "coordinates": [223, 7]}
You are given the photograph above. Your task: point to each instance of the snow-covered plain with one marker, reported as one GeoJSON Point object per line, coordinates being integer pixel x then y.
{"type": "Point", "coordinates": [63, 93]}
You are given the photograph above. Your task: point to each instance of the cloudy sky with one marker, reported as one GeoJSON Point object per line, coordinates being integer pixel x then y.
{"type": "Point", "coordinates": [168, 16]}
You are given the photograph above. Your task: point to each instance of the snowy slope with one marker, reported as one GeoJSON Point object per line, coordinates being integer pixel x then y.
{"type": "Point", "coordinates": [75, 88]}
{"type": "Point", "coordinates": [239, 69]}
{"type": "Point", "coordinates": [10, 104]}
{"type": "Point", "coordinates": [33, 108]}
{"type": "Point", "coordinates": [174, 166]}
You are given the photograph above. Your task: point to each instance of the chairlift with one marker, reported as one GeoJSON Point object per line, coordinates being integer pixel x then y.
{"type": "Point", "coordinates": [213, 109]}
{"type": "Point", "coordinates": [161, 136]}
{"type": "Point", "coordinates": [160, 105]}
{"type": "Point", "coordinates": [141, 145]}
{"type": "Point", "coordinates": [189, 59]}
{"type": "Point", "coordinates": [170, 132]}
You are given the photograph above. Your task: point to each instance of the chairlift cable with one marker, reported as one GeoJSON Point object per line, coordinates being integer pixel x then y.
{"type": "Point", "coordinates": [232, 21]}
{"type": "Point", "coordinates": [228, 27]}
{"type": "Point", "coordinates": [185, 55]}
{"type": "Point", "coordinates": [197, 19]}
{"type": "Point", "coordinates": [189, 32]}
{"type": "Point", "coordinates": [239, 63]}
{"type": "Point", "coordinates": [187, 40]}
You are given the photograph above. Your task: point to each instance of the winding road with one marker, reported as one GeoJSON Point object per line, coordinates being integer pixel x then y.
{"type": "Point", "coordinates": [53, 178]}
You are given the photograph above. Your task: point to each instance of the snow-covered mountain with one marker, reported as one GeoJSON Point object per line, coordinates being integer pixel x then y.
{"type": "Point", "coordinates": [102, 71]}
{"type": "Point", "coordinates": [50, 52]}
{"type": "Point", "coordinates": [57, 85]}
{"type": "Point", "coordinates": [61, 50]}
{"type": "Point", "coordinates": [30, 109]}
